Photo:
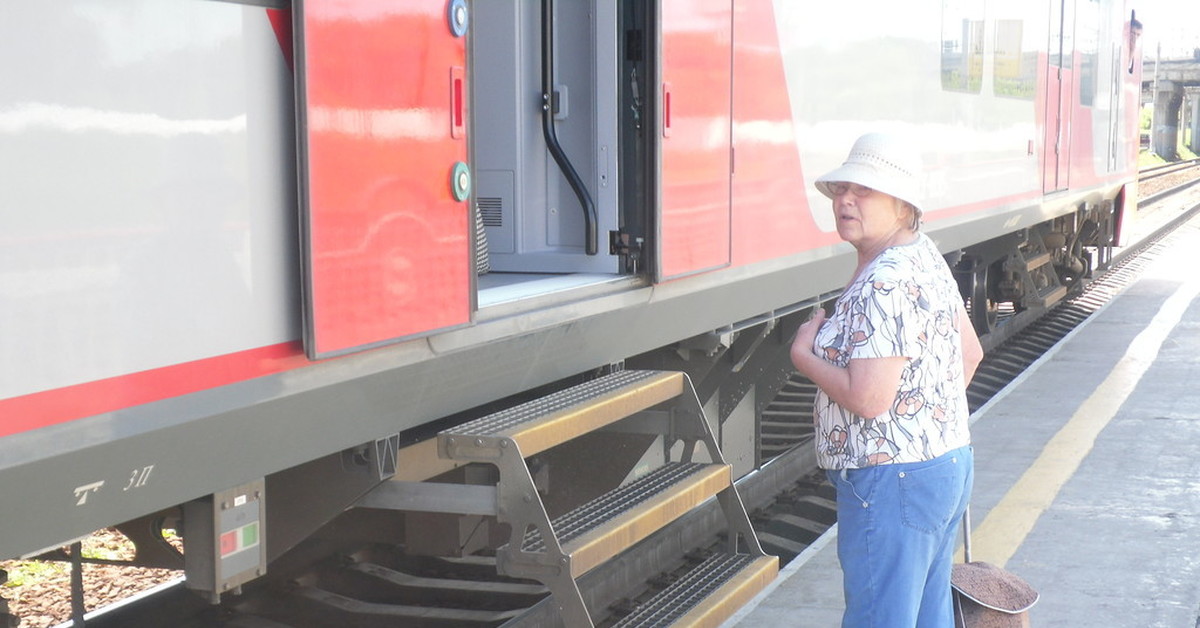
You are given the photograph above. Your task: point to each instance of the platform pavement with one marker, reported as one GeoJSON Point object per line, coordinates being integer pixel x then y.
{"type": "Point", "coordinates": [1087, 471]}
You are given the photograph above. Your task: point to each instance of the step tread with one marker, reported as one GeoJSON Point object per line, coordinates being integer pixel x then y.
{"type": "Point", "coordinates": [613, 522]}
{"type": "Point", "coordinates": [708, 594]}
{"type": "Point", "coordinates": [556, 418]}
{"type": "Point", "coordinates": [1052, 295]}
{"type": "Point", "coordinates": [1037, 260]}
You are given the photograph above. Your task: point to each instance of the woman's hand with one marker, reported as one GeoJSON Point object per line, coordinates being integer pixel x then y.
{"type": "Point", "coordinates": [802, 346]}
{"type": "Point", "coordinates": [867, 387]}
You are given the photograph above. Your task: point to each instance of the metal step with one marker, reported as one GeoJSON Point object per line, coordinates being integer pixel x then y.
{"type": "Point", "coordinates": [708, 594]}
{"type": "Point", "coordinates": [1052, 295]}
{"type": "Point", "coordinates": [1037, 260]}
{"type": "Point", "coordinates": [614, 522]}
{"type": "Point", "coordinates": [557, 552]}
{"type": "Point", "coordinates": [543, 423]}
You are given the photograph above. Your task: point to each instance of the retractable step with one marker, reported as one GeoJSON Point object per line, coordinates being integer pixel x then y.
{"type": "Point", "coordinates": [1034, 264]}
{"type": "Point", "coordinates": [708, 594]}
{"type": "Point", "coordinates": [542, 423]}
{"type": "Point", "coordinates": [604, 527]}
{"type": "Point", "coordinates": [558, 552]}
{"type": "Point", "coordinates": [1051, 295]}
{"type": "Point", "coordinates": [1037, 260]}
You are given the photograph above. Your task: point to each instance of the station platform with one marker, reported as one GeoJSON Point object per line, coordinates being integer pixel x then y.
{"type": "Point", "coordinates": [1087, 476]}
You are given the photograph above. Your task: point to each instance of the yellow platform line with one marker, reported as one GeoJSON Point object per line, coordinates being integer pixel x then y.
{"type": "Point", "coordinates": [999, 536]}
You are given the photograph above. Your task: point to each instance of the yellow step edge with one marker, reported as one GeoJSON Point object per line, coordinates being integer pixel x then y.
{"type": "Point", "coordinates": [729, 597]}
{"type": "Point", "coordinates": [639, 522]}
{"type": "Point", "coordinates": [564, 425]}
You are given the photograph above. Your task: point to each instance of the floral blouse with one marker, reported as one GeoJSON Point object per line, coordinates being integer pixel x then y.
{"type": "Point", "coordinates": [903, 304]}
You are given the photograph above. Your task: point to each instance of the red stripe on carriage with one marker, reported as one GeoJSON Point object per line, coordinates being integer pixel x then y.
{"type": "Point", "coordinates": [50, 407]}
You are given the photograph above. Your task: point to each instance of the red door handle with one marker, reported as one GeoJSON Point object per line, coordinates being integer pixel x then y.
{"type": "Point", "coordinates": [458, 117]}
{"type": "Point", "coordinates": [666, 105]}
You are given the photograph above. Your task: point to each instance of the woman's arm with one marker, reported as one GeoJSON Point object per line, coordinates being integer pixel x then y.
{"type": "Point", "coordinates": [867, 387]}
{"type": "Point", "coordinates": [972, 351]}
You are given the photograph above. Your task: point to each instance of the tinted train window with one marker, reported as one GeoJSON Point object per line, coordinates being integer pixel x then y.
{"type": "Point", "coordinates": [962, 45]}
{"type": "Point", "coordinates": [1016, 55]}
{"type": "Point", "coordinates": [1088, 46]}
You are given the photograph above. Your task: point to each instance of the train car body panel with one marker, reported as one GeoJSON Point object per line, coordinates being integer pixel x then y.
{"type": "Point", "coordinates": [773, 216]}
{"type": "Point", "coordinates": [383, 97]}
{"type": "Point", "coordinates": [149, 205]}
{"type": "Point", "coordinates": [976, 144]}
{"type": "Point", "coordinates": [981, 105]}
{"type": "Point", "coordinates": [695, 101]}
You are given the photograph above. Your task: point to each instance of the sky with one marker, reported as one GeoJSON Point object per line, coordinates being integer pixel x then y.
{"type": "Point", "coordinates": [1173, 23]}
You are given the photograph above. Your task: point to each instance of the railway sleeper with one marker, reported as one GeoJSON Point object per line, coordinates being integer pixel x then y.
{"type": "Point", "coordinates": [559, 551]}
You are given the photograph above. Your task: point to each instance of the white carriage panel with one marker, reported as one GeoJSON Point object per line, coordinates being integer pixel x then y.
{"type": "Point", "coordinates": [877, 66]}
{"type": "Point", "coordinates": [147, 211]}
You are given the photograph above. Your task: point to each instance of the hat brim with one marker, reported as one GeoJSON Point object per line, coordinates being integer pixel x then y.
{"type": "Point", "coordinates": [865, 175]}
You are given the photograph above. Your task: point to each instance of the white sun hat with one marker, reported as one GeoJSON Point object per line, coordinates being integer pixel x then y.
{"type": "Point", "coordinates": [883, 162]}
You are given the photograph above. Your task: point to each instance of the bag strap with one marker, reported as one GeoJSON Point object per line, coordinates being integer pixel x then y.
{"type": "Point", "coordinates": [966, 526]}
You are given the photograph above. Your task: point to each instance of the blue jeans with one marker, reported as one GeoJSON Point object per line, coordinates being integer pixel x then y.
{"type": "Point", "coordinates": [897, 530]}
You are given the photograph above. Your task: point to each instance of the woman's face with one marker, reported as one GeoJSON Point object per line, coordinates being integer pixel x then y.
{"type": "Point", "coordinates": [867, 218]}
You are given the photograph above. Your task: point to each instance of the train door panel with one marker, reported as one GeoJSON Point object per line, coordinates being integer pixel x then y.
{"type": "Point", "coordinates": [696, 57]}
{"type": "Point", "coordinates": [1060, 77]}
{"type": "Point", "coordinates": [1126, 85]}
{"type": "Point", "coordinates": [381, 97]}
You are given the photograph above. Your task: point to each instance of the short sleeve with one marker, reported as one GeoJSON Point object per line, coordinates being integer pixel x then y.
{"type": "Point", "coordinates": [886, 318]}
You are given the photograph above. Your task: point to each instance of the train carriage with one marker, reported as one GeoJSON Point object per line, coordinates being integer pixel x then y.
{"type": "Point", "coordinates": [265, 251]}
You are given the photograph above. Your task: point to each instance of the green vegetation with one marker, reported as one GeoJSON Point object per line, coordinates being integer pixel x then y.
{"type": "Point", "coordinates": [1147, 158]}
{"type": "Point", "coordinates": [25, 572]}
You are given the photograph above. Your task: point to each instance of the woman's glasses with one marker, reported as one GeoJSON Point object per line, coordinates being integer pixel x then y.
{"type": "Point", "coordinates": [840, 187]}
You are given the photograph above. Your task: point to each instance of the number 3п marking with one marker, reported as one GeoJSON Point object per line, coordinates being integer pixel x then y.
{"type": "Point", "coordinates": [139, 477]}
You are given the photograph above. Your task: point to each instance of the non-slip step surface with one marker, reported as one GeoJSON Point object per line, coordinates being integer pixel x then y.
{"type": "Point", "coordinates": [606, 526]}
{"type": "Point", "coordinates": [543, 423]}
{"type": "Point", "coordinates": [708, 594]}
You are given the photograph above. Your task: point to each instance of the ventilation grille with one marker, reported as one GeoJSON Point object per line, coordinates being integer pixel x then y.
{"type": "Point", "coordinates": [491, 209]}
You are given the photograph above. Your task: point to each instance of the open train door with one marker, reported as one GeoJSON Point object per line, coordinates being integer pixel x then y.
{"type": "Point", "coordinates": [696, 59]}
{"type": "Point", "coordinates": [381, 99]}
{"type": "Point", "coordinates": [1060, 95]}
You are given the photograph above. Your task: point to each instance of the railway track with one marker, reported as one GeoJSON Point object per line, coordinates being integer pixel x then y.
{"type": "Point", "coordinates": [1155, 172]}
{"type": "Point", "coordinates": [339, 581]}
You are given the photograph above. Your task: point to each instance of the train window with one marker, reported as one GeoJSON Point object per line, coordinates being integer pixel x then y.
{"type": "Point", "coordinates": [962, 45]}
{"type": "Point", "coordinates": [1015, 60]}
{"type": "Point", "coordinates": [1061, 49]}
{"type": "Point", "coordinates": [1088, 46]}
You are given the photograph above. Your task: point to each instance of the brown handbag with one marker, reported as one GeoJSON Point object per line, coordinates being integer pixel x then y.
{"type": "Point", "coordinates": [986, 596]}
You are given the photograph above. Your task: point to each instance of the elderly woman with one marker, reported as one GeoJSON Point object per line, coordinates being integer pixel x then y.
{"type": "Point", "coordinates": [892, 362]}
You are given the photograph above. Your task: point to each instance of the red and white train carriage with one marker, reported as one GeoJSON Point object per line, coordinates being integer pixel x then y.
{"type": "Point", "coordinates": [238, 239]}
